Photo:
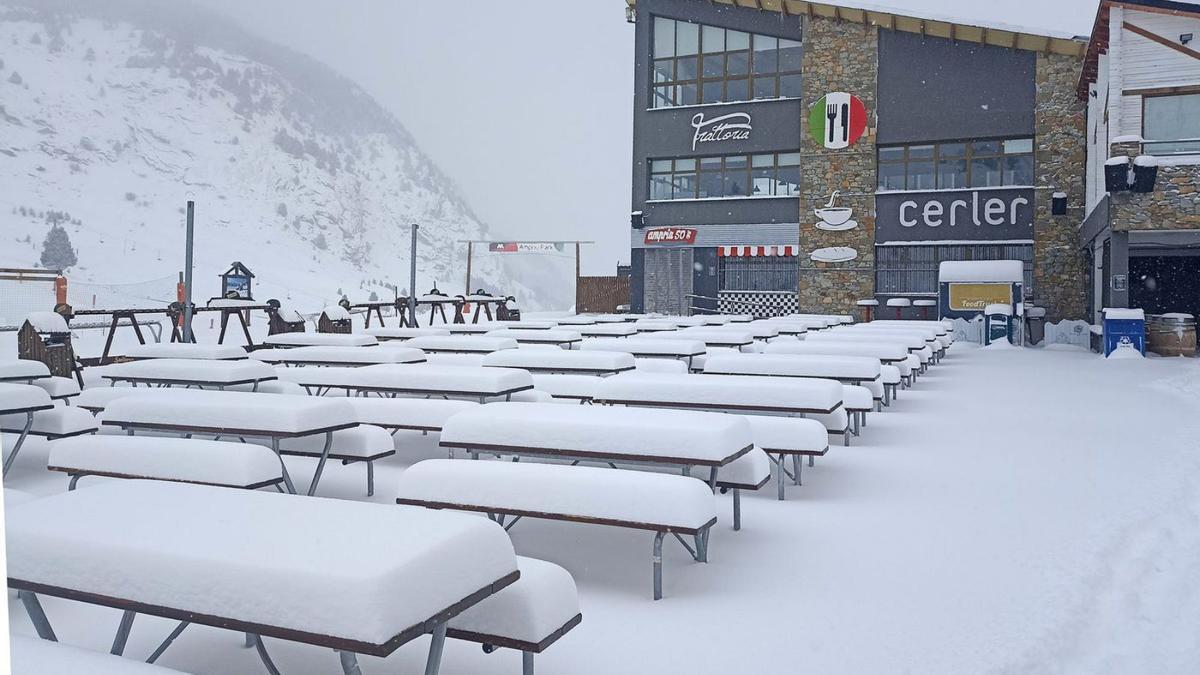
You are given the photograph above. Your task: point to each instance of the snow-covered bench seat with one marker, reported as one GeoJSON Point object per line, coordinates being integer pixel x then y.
{"type": "Point", "coordinates": [528, 616]}
{"type": "Point", "coordinates": [817, 398]}
{"type": "Point", "coordinates": [22, 370]}
{"type": "Point", "coordinates": [21, 406]}
{"type": "Point", "coordinates": [711, 336]}
{"type": "Point", "coordinates": [338, 356]}
{"type": "Point", "coordinates": [235, 414]}
{"type": "Point", "coordinates": [913, 343]}
{"type": "Point", "coordinates": [31, 656]}
{"type": "Point", "coordinates": [656, 325]}
{"type": "Point", "coordinates": [413, 414]}
{"type": "Point", "coordinates": [468, 360]}
{"type": "Point", "coordinates": [566, 339]}
{"type": "Point", "coordinates": [930, 336]}
{"type": "Point", "coordinates": [830, 320]}
{"type": "Point", "coordinates": [185, 350]}
{"type": "Point", "coordinates": [188, 373]}
{"type": "Point", "coordinates": [887, 354]}
{"type": "Point", "coordinates": [219, 463]}
{"type": "Point", "coordinates": [319, 340]}
{"type": "Point", "coordinates": [461, 344]}
{"type": "Point", "coordinates": [662, 366]}
{"type": "Point", "coordinates": [607, 330]}
{"type": "Point", "coordinates": [931, 329]}
{"type": "Point", "coordinates": [578, 388]}
{"type": "Point", "coordinates": [661, 503]}
{"type": "Point", "coordinates": [521, 325]}
{"type": "Point", "coordinates": [668, 438]}
{"type": "Point", "coordinates": [646, 347]}
{"type": "Point", "coordinates": [427, 379]}
{"type": "Point", "coordinates": [354, 577]}
{"type": "Point", "coordinates": [569, 362]}
{"type": "Point", "coordinates": [751, 471]}
{"type": "Point", "coordinates": [468, 329]}
{"type": "Point", "coordinates": [59, 388]}
{"type": "Point", "coordinates": [365, 443]}
{"type": "Point", "coordinates": [782, 437]}
{"type": "Point", "coordinates": [575, 321]}
{"type": "Point", "coordinates": [383, 334]}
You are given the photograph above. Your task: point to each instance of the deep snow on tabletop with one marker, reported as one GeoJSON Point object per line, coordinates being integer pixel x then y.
{"type": "Point", "coordinates": [1064, 540]}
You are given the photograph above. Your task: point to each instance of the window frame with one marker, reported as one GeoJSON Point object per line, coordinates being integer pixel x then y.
{"type": "Point", "coordinates": [767, 274]}
{"type": "Point", "coordinates": [908, 278]}
{"type": "Point", "coordinates": [670, 90]}
{"type": "Point", "coordinates": [746, 173]}
{"type": "Point", "coordinates": [968, 157]}
{"type": "Point", "coordinates": [1149, 146]}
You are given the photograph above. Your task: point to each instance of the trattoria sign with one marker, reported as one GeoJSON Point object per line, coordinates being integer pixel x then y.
{"type": "Point", "coordinates": [670, 235]}
{"type": "Point", "coordinates": [730, 127]}
{"type": "Point", "coordinates": [954, 215]}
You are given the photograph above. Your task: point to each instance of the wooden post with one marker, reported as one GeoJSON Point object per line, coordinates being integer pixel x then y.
{"type": "Point", "coordinates": [467, 291]}
{"type": "Point", "coordinates": [576, 277]}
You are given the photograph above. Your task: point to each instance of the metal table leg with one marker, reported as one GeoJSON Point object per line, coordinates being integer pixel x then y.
{"type": "Point", "coordinates": [122, 636]}
{"type": "Point", "coordinates": [12, 456]}
{"type": "Point", "coordinates": [312, 489]}
{"type": "Point", "coordinates": [434, 663]}
{"type": "Point", "coordinates": [37, 615]}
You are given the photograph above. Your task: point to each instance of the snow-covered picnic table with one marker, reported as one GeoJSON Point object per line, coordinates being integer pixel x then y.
{"type": "Point", "coordinates": [319, 340]}
{"type": "Point", "coordinates": [576, 320]}
{"type": "Point", "coordinates": [855, 370]}
{"type": "Point", "coordinates": [672, 438]}
{"type": "Point", "coordinates": [383, 334]}
{"type": "Point", "coordinates": [248, 561]}
{"type": "Point", "coordinates": [761, 395]}
{"type": "Point", "coordinates": [469, 328]}
{"type": "Point", "coordinates": [185, 350]}
{"type": "Point", "coordinates": [461, 344]}
{"type": "Point", "coordinates": [21, 402]}
{"type": "Point", "coordinates": [656, 325]}
{"type": "Point", "coordinates": [413, 380]}
{"type": "Point", "coordinates": [711, 336]}
{"type": "Point", "coordinates": [607, 330]}
{"type": "Point", "coordinates": [338, 356]}
{"type": "Point", "coordinates": [237, 414]}
{"type": "Point", "coordinates": [787, 328]}
{"type": "Point", "coordinates": [189, 373]}
{"type": "Point", "coordinates": [581, 388]}
{"type": "Point", "coordinates": [647, 347]}
{"type": "Point", "coordinates": [22, 370]}
{"type": "Point", "coordinates": [572, 362]}
{"type": "Point", "coordinates": [553, 336]}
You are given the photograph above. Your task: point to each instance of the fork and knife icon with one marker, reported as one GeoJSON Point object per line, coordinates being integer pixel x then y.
{"type": "Point", "coordinates": [832, 114]}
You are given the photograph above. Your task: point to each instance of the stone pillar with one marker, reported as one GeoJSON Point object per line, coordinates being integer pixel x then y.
{"type": "Point", "coordinates": [1059, 276]}
{"type": "Point", "coordinates": [838, 57]}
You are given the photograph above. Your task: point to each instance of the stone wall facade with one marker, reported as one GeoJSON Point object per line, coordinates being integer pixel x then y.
{"type": "Point", "coordinates": [838, 56]}
{"type": "Point", "coordinates": [1059, 270]}
{"type": "Point", "coordinates": [1173, 205]}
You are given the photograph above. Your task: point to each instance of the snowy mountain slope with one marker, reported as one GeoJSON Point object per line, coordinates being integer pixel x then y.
{"type": "Point", "coordinates": [112, 117]}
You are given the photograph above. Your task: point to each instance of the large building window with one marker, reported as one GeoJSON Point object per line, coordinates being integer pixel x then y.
{"type": "Point", "coordinates": [697, 64]}
{"type": "Point", "coordinates": [913, 269]}
{"type": "Point", "coordinates": [734, 176]}
{"type": "Point", "coordinates": [764, 273]}
{"type": "Point", "coordinates": [958, 165]}
{"type": "Point", "coordinates": [1171, 124]}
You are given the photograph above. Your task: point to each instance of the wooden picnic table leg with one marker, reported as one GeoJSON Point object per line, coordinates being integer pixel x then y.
{"type": "Point", "coordinates": [312, 488]}
{"type": "Point", "coordinates": [122, 636]}
{"type": "Point", "coordinates": [33, 607]}
{"type": "Point", "coordinates": [12, 456]}
{"type": "Point", "coordinates": [112, 330]}
{"type": "Point", "coordinates": [245, 328]}
{"type": "Point", "coordinates": [224, 325]}
{"type": "Point", "coordinates": [137, 330]}
{"type": "Point", "coordinates": [434, 663]}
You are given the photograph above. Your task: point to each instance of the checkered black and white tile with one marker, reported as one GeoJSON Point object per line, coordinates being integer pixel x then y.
{"type": "Point", "coordinates": [761, 304]}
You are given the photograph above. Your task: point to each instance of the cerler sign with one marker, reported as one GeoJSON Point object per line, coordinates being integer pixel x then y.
{"type": "Point", "coordinates": [954, 215]}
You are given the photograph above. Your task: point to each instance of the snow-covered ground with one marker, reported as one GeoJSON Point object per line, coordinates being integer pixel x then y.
{"type": "Point", "coordinates": [1019, 511]}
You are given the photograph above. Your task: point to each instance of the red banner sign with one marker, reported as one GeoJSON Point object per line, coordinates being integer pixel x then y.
{"type": "Point", "coordinates": [671, 235]}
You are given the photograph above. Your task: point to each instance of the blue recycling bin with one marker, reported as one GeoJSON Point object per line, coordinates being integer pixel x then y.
{"type": "Point", "coordinates": [1124, 327]}
{"type": "Point", "coordinates": [997, 323]}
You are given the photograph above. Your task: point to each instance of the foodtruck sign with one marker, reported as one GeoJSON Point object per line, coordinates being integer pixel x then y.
{"type": "Point", "coordinates": [670, 235]}
{"type": "Point", "coordinates": [975, 297]}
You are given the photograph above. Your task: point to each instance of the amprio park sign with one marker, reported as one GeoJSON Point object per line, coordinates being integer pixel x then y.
{"type": "Point", "coordinates": [985, 214]}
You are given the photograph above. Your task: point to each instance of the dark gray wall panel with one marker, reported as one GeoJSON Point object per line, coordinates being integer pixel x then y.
{"type": "Point", "coordinates": [934, 89]}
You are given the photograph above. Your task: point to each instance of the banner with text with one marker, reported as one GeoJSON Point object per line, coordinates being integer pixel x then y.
{"type": "Point", "coordinates": [955, 215]}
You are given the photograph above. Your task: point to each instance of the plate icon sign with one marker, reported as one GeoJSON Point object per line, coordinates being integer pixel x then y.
{"type": "Point", "coordinates": [834, 254]}
{"type": "Point", "coordinates": [837, 120]}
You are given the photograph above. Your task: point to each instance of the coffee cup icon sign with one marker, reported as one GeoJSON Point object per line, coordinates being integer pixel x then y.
{"type": "Point", "coordinates": [835, 218]}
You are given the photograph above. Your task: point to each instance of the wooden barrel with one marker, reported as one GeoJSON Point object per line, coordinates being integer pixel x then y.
{"type": "Point", "coordinates": [1171, 334]}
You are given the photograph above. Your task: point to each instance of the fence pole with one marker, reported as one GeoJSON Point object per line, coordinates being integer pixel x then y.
{"type": "Point", "coordinates": [467, 291]}
{"type": "Point", "coordinates": [412, 277]}
{"type": "Point", "coordinates": [187, 272]}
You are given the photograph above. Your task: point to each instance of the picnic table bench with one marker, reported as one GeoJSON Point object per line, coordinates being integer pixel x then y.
{"type": "Point", "coordinates": [31, 656]}
{"type": "Point", "coordinates": [470, 328]}
{"type": "Point", "coordinates": [217, 463]}
{"type": "Point", "coordinates": [915, 344]}
{"type": "Point", "coordinates": [855, 370]}
{"type": "Point", "coordinates": [607, 330]}
{"type": "Point", "coordinates": [711, 336]}
{"type": "Point", "coordinates": [570, 362]}
{"type": "Point", "coordinates": [185, 350]}
{"type": "Point", "coordinates": [22, 370]}
{"type": "Point", "coordinates": [644, 347]}
{"type": "Point", "coordinates": [787, 328]}
{"type": "Point", "coordinates": [247, 561]}
{"type": "Point", "coordinates": [412, 414]}
{"type": "Point", "coordinates": [338, 356]}
{"type": "Point", "coordinates": [565, 339]}
{"type": "Point", "coordinates": [783, 437]}
{"type": "Point", "coordinates": [581, 388]}
{"type": "Point", "coordinates": [242, 415]}
{"type": "Point", "coordinates": [20, 402]}
{"type": "Point", "coordinates": [286, 340]}
{"type": "Point", "coordinates": [747, 395]}
{"type": "Point", "coordinates": [384, 334]}
{"type": "Point", "coordinates": [188, 373]}
{"type": "Point", "coordinates": [58, 388]}
{"type": "Point", "coordinates": [431, 380]}
{"type": "Point", "coordinates": [461, 344]}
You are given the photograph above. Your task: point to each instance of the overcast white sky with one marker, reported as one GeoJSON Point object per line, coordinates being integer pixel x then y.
{"type": "Point", "coordinates": [527, 104]}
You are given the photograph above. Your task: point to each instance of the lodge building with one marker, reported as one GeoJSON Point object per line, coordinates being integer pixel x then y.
{"type": "Point", "coordinates": [799, 155]}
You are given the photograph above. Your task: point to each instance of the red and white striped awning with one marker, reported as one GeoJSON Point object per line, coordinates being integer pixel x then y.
{"type": "Point", "coordinates": [754, 251]}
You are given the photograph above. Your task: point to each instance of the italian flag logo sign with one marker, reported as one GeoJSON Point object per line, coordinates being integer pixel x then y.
{"type": "Point", "coordinates": [837, 120]}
